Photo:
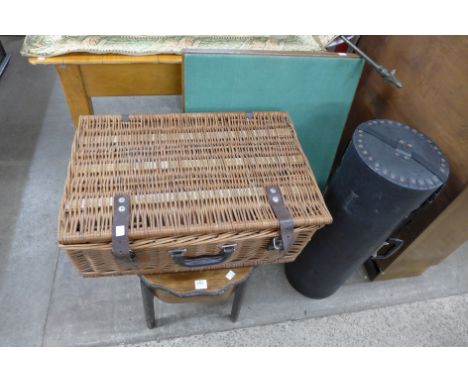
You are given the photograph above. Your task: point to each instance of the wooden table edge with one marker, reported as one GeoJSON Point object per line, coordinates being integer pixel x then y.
{"type": "Point", "coordinates": [92, 59]}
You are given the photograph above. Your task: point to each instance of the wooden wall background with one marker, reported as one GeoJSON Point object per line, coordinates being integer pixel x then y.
{"type": "Point", "coordinates": [434, 100]}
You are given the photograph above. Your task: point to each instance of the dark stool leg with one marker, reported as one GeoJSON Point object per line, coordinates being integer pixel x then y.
{"type": "Point", "coordinates": [237, 303]}
{"type": "Point", "coordinates": [4, 59]}
{"type": "Point", "coordinates": [148, 304]}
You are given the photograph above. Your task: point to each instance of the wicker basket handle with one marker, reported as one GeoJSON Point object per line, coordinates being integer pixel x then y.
{"type": "Point", "coordinates": [178, 255]}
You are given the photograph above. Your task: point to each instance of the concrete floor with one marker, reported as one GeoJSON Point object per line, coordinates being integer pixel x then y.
{"type": "Point", "coordinates": [45, 302]}
{"type": "Point", "coordinates": [422, 323]}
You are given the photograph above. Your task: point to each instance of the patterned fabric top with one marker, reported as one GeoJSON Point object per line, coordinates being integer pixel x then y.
{"type": "Point", "coordinates": [49, 46]}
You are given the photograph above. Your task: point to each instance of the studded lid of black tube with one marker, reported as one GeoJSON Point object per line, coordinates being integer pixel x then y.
{"type": "Point", "coordinates": [401, 154]}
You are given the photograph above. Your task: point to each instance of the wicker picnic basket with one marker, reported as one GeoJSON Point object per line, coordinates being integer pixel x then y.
{"type": "Point", "coordinates": [178, 192]}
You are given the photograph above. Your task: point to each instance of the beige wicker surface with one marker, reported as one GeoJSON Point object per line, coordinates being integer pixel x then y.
{"type": "Point", "coordinates": [195, 181]}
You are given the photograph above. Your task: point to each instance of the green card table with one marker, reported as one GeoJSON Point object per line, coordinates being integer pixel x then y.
{"type": "Point", "coordinates": [315, 89]}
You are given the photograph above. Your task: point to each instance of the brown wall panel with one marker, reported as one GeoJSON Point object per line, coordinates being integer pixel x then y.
{"type": "Point", "coordinates": [434, 100]}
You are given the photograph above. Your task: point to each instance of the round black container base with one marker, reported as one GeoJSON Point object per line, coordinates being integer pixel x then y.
{"type": "Point", "coordinates": [300, 282]}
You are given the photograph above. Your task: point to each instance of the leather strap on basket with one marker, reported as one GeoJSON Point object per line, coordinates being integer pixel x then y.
{"type": "Point", "coordinates": [120, 223]}
{"type": "Point", "coordinates": [286, 239]}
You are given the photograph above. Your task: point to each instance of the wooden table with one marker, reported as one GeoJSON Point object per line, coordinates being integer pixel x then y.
{"type": "Point", "coordinates": [89, 75]}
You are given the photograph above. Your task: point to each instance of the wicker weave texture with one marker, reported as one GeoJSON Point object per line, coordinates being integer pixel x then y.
{"type": "Point", "coordinates": [194, 180]}
{"type": "Point", "coordinates": [154, 256]}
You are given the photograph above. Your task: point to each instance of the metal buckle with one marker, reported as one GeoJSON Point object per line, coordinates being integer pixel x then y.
{"type": "Point", "coordinates": [228, 248]}
{"type": "Point", "coordinates": [276, 244]}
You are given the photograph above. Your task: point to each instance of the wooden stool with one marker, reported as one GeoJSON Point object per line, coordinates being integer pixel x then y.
{"type": "Point", "coordinates": [202, 286]}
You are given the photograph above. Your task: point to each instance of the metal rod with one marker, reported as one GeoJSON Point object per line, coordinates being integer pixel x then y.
{"type": "Point", "coordinates": [388, 76]}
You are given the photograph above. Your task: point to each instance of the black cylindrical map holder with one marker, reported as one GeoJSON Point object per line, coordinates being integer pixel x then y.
{"type": "Point", "coordinates": [388, 171]}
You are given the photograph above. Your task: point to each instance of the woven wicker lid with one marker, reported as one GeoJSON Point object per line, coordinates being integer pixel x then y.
{"type": "Point", "coordinates": [186, 174]}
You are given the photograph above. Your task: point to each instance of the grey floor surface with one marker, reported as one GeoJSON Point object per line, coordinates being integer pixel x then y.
{"type": "Point", "coordinates": [422, 323]}
{"type": "Point", "coordinates": [44, 301]}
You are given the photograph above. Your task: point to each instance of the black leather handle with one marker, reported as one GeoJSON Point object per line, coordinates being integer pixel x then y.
{"type": "Point", "coordinates": [394, 245]}
{"type": "Point", "coordinates": [178, 255]}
